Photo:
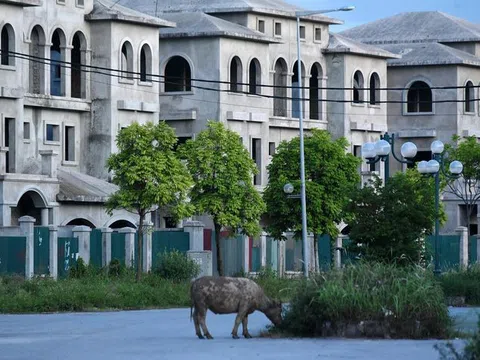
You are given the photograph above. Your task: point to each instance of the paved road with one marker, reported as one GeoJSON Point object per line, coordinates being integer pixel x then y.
{"type": "Point", "coordinates": [169, 334]}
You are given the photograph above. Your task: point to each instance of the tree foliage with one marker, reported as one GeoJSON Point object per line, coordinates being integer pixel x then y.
{"type": "Point", "coordinates": [223, 171]}
{"type": "Point", "coordinates": [330, 175]}
{"type": "Point", "coordinates": [391, 221]}
{"type": "Point", "coordinates": [148, 174]}
{"type": "Point", "coordinates": [467, 186]}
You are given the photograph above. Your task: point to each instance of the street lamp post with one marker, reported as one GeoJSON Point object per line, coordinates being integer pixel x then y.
{"type": "Point", "coordinates": [299, 14]}
{"type": "Point", "coordinates": [433, 167]}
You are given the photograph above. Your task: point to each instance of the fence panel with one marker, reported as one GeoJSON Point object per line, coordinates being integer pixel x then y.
{"type": "Point", "coordinates": [118, 246]}
{"type": "Point", "coordinates": [449, 251]}
{"type": "Point", "coordinates": [272, 253]}
{"type": "Point", "coordinates": [12, 255]}
{"type": "Point", "coordinates": [256, 259]}
{"type": "Point", "coordinates": [324, 252]}
{"type": "Point", "coordinates": [472, 250]}
{"type": "Point", "coordinates": [96, 247]}
{"type": "Point", "coordinates": [41, 250]}
{"type": "Point", "coordinates": [67, 255]}
{"type": "Point", "coordinates": [168, 241]}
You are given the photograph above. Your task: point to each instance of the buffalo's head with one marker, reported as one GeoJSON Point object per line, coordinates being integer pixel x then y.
{"type": "Point", "coordinates": [274, 312]}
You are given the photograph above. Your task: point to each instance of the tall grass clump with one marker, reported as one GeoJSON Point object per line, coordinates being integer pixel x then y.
{"type": "Point", "coordinates": [406, 302]}
{"type": "Point", "coordinates": [462, 283]}
{"type": "Point", "coordinates": [176, 266]}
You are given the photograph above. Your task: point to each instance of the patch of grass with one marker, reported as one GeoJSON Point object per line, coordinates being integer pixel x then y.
{"type": "Point", "coordinates": [274, 286]}
{"type": "Point", "coordinates": [407, 299]}
{"type": "Point", "coordinates": [464, 283]}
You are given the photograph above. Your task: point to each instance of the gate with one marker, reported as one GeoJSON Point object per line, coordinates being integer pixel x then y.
{"type": "Point", "coordinates": [67, 255]}
{"type": "Point", "coordinates": [12, 255]}
{"type": "Point", "coordinates": [41, 250]}
{"type": "Point", "coordinates": [168, 241]}
{"type": "Point", "coordinates": [118, 246]}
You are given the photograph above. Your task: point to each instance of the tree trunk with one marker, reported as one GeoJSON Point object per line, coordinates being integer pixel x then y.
{"type": "Point", "coordinates": [219, 253]}
{"type": "Point", "coordinates": [138, 275]}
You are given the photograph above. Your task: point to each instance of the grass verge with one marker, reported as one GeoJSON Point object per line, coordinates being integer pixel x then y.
{"type": "Point", "coordinates": [462, 283]}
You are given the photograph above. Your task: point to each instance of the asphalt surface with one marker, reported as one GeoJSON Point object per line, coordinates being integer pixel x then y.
{"type": "Point", "coordinates": [169, 334]}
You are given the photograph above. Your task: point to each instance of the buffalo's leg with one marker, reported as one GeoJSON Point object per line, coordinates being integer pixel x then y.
{"type": "Point", "coordinates": [202, 315]}
{"type": "Point", "coordinates": [238, 319]}
{"type": "Point", "coordinates": [197, 324]}
{"type": "Point", "coordinates": [246, 334]}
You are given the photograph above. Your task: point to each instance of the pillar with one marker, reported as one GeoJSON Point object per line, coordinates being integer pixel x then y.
{"type": "Point", "coordinates": [26, 229]}
{"type": "Point", "coordinates": [129, 245]}
{"type": "Point", "coordinates": [263, 250]}
{"type": "Point", "coordinates": [195, 232]}
{"type": "Point", "coordinates": [106, 246]}
{"type": "Point", "coordinates": [463, 233]}
{"type": "Point", "coordinates": [49, 163]}
{"type": "Point", "coordinates": [3, 160]}
{"type": "Point", "coordinates": [44, 213]}
{"type": "Point", "coordinates": [246, 253]}
{"type": "Point", "coordinates": [83, 235]}
{"type": "Point", "coordinates": [53, 247]}
{"type": "Point", "coordinates": [338, 251]}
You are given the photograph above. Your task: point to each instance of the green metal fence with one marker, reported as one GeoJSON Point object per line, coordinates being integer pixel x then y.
{"type": "Point", "coordinates": [67, 255]}
{"type": "Point", "coordinates": [449, 251]}
{"type": "Point", "coordinates": [41, 250]}
{"type": "Point", "coordinates": [118, 246]}
{"type": "Point", "coordinates": [12, 255]}
{"type": "Point", "coordinates": [472, 249]}
{"type": "Point", "coordinates": [96, 247]}
{"type": "Point", "coordinates": [168, 241]}
{"type": "Point", "coordinates": [324, 252]}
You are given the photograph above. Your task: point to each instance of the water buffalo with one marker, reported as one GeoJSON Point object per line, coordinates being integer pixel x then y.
{"type": "Point", "coordinates": [227, 295]}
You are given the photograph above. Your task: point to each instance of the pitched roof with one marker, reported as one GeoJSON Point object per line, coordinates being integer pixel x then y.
{"type": "Point", "coordinates": [198, 24]}
{"type": "Point", "coordinates": [79, 187]}
{"type": "Point", "coordinates": [277, 7]}
{"type": "Point", "coordinates": [340, 44]}
{"type": "Point", "coordinates": [109, 10]}
{"type": "Point", "coordinates": [421, 54]}
{"type": "Point", "coordinates": [422, 26]}
{"type": "Point", "coordinates": [24, 3]}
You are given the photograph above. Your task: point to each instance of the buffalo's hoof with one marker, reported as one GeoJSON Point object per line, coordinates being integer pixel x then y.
{"type": "Point", "coordinates": [247, 336]}
{"type": "Point", "coordinates": [208, 336]}
{"type": "Point", "coordinates": [235, 336]}
{"type": "Point", "coordinates": [200, 336]}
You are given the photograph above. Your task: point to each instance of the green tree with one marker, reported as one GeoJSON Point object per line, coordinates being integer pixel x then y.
{"type": "Point", "coordinates": [391, 220]}
{"type": "Point", "coordinates": [467, 186]}
{"type": "Point", "coordinates": [330, 174]}
{"type": "Point", "coordinates": [223, 173]}
{"type": "Point", "coordinates": [149, 174]}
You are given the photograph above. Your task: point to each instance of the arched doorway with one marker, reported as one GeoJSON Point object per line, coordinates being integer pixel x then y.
{"type": "Point", "coordinates": [121, 224]}
{"type": "Point", "coordinates": [30, 204]}
{"type": "Point", "coordinates": [81, 222]}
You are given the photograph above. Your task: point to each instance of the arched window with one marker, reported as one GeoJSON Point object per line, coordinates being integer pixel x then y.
{"type": "Point", "coordinates": [419, 98]}
{"type": "Point", "coordinates": [79, 47]}
{"type": "Point", "coordinates": [145, 63]}
{"type": "Point", "coordinates": [469, 97]}
{"type": "Point", "coordinates": [57, 69]}
{"type": "Point", "coordinates": [236, 74]}
{"type": "Point", "coordinates": [374, 89]}
{"type": "Point", "coordinates": [280, 88]}
{"type": "Point", "coordinates": [254, 77]}
{"type": "Point", "coordinates": [297, 93]}
{"type": "Point", "coordinates": [177, 75]}
{"type": "Point", "coordinates": [316, 74]}
{"type": "Point", "coordinates": [37, 68]}
{"type": "Point", "coordinates": [126, 64]}
{"type": "Point", "coordinates": [7, 45]}
{"type": "Point", "coordinates": [358, 86]}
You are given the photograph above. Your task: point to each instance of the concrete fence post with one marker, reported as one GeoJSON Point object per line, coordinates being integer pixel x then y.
{"type": "Point", "coordinates": [246, 253]}
{"type": "Point", "coordinates": [263, 250]}
{"type": "Point", "coordinates": [83, 234]}
{"type": "Point", "coordinates": [129, 245]}
{"type": "Point", "coordinates": [26, 228]}
{"type": "Point", "coordinates": [463, 233]}
{"type": "Point", "coordinates": [53, 259]}
{"type": "Point", "coordinates": [195, 232]}
{"type": "Point", "coordinates": [106, 246]}
{"type": "Point", "coordinates": [338, 250]}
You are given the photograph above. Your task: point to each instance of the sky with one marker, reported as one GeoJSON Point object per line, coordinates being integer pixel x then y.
{"type": "Point", "coordinates": [370, 10]}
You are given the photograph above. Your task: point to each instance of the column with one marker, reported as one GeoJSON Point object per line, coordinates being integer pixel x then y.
{"type": "Point", "coordinates": [83, 234]}
{"type": "Point", "coordinates": [195, 232]}
{"type": "Point", "coordinates": [106, 246]}
{"type": "Point", "coordinates": [44, 213]}
{"type": "Point", "coordinates": [66, 71]}
{"type": "Point", "coordinates": [26, 228]}
{"type": "Point", "coordinates": [338, 251]}
{"type": "Point", "coordinates": [463, 233]}
{"type": "Point", "coordinates": [53, 247]}
{"type": "Point", "coordinates": [129, 245]}
{"type": "Point", "coordinates": [3, 160]}
{"type": "Point", "coordinates": [6, 215]}
{"type": "Point", "coordinates": [246, 254]}
{"type": "Point", "coordinates": [263, 250]}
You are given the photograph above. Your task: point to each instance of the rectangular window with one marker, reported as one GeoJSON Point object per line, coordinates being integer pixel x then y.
{"type": "Point", "coordinates": [261, 26]}
{"type": "Point", "coordinates": [53, 132]}
{"type": "Point", "coordinates": [80, 3]}
{"type": "Point", "coordinates": [278, 29]}
{"type": "Point", "coordinates": [271, 148]}
{"type": "Point", "coordinates": [69, 145]}
{"type": "Point", "coordinates": [318, 34]}
{"type": "Point", "coordinates": [302, 32]}
{"type": "Point", "coordinates": [26, 131]}
{"type": "Point", "coordinates": [257, 157]}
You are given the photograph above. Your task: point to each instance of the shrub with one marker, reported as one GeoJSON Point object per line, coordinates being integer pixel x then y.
{"type": "Point", "coordinates": [176, 266]}
{"type": "Point", "coordinates": [406, 300]}
{"type": "Point", "coordinates": [463, 283]}
{"type": "Point", "coordinates": [471, 350]}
